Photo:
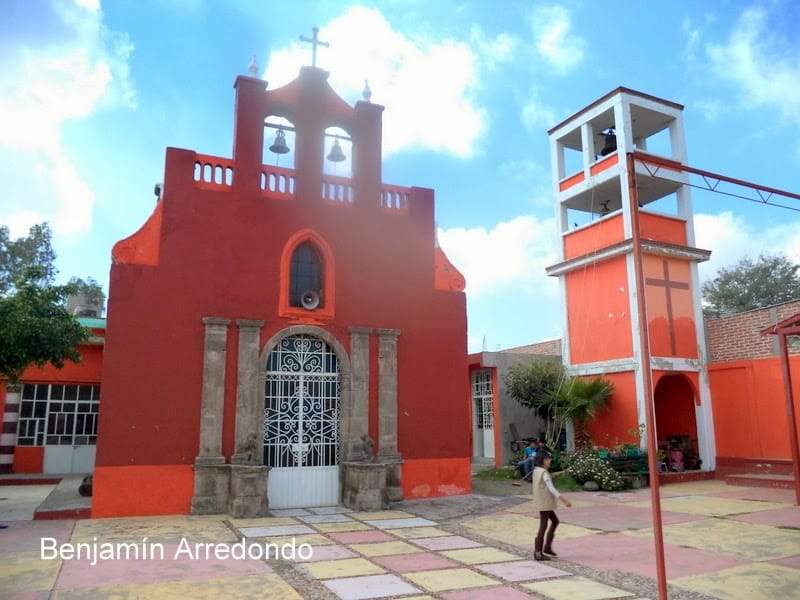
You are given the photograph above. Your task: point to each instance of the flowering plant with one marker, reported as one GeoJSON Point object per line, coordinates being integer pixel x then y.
{"type": "Point", "coordinates": [584, 465]}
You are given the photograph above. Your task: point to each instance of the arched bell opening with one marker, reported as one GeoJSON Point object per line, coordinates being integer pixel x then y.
{"type": "Point", "coordinates": [676, 423]}
{"type": "Point", "coordinates": [337, 165]}
{"type": "Point", "coordinates": [278, 156]}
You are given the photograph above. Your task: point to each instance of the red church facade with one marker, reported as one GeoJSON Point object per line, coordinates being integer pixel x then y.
{"type": "Point", "coordinates": [201, 299]}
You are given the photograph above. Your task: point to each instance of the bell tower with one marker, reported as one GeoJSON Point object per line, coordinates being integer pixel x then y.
{"type": "Point", "coordinates": [600, 187]}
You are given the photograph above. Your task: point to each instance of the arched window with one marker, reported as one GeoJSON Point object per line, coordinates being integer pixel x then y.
{"type": "Point", "coordinates": [306, 277]}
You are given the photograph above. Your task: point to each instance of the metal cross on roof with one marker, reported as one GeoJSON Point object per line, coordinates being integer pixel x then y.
{"type": "Point", "coordinates": [314, 41]}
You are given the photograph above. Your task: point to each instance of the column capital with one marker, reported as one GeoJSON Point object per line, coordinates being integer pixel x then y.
{"type": "Point", "coordinates": [357, 330]}
{"type": "Point", "coordinates": [388, 332]}
{"type": "Point", "coordinates": [249, 323]}
{"type": "Point", "coordinates": [216, 321]}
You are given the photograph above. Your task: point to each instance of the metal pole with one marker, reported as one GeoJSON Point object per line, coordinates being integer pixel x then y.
{"type": "Point", "coordinates": [647, 376]}
{"type": "Point", "coordinates": [787, 386]}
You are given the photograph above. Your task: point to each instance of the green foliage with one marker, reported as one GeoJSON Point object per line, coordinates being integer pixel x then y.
{"type": "Point", "coordinates": [494, 474]}
{"type": "Point", "coordinates": [33, 250]}
{"type": "Point", "coordinates": [565, 483]}
{"type": "Point", "coordinates": [544, 386]}
{"type": "Point", "coordinates": [584, 465]}
{"type": "Point", "coordinates": [750, 284]}
{"type": "Point", "coordinates": [36, 327]}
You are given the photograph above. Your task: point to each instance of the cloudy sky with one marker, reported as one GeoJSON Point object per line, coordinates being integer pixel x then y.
{"type": "Point", "coordinates": [91, 93]}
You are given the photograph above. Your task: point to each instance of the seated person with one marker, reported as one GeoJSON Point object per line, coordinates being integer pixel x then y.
{"type": "Point", "coordinates": [526, 464]}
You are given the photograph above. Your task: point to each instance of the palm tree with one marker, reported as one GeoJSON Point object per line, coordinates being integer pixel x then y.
{"type": "Point", "coordinates": [583, 399]}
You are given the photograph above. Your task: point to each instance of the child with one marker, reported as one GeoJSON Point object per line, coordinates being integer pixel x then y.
{"type": "Point", "coordinates": [545, 499]}
{"type": "Point", "coordinates": [527, 461]}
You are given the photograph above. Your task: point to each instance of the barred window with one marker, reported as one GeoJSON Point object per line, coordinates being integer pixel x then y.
{"type": "Point", "coordinates": [58, 414]}
{"type": "Point", "coordinates": [482, 398]}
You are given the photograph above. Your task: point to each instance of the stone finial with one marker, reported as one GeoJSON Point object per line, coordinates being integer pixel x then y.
{"type": "Point", "coordinates": [252, 68]}
{"type": "Point", "coordinates": [366, 93]}
{"type": "Point", "coordinates": [365, 450]}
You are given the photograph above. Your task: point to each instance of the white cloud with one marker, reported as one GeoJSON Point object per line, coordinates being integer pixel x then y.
{"type": "Point", "coordinates": [46, 82]}
{"type": "Point", "coordinates": [763, 68]}
{"type": "Point", "coordinates": [427, 85]}
{"type": "Point", "coordinates": [554, 39]}
{"type": "Point", "coordinates": [512, 254]}
{"type": "Point", "coordinates": [731, 237]}
{"type": "Point", "coordinates": [536, 115]}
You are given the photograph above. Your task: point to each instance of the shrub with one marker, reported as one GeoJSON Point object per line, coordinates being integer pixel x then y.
{"type": "Point", "coordinates": [584, 465]}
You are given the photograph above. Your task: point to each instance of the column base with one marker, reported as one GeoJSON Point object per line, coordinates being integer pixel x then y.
{"type": "Point", "coordinates": [364, 486]}
{"type": "Point", "coordinates": [394, 471]}
{"type": "Point", "coordinates": [211, 483]}
{"type": "Point", "coordinates": [248, 491]}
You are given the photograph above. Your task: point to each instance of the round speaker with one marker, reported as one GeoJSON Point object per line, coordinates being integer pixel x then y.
{"type": "Point", "coordinates": [310, 300]}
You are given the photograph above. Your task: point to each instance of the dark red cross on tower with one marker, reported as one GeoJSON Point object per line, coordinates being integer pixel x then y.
{"type": "Point", "coordinates": [668, 286]}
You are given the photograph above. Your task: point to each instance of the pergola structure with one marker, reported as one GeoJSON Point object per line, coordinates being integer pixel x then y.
{"type": "Point", "coordinates": [784, 329]}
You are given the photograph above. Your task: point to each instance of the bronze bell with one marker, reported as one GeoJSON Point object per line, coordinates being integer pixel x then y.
{"type": "Point", "coordinates": [610, 142]}
{"type": "Point", "coordinates": [336, 154]}
{"type": "Point", "coordinates": [279, 145]}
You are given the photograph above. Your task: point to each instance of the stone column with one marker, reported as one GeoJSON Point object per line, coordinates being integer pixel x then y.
{"type": "Point", "coordinates": [387, 411]}
{"type": "Point", "coordinates": [8, 437]}
{"type": "Point", "coordinates": [355, 420]}
{"type": "Point", "coordinates": [211, 474]}
{"type": "Point", "coordinates": [248, 490]}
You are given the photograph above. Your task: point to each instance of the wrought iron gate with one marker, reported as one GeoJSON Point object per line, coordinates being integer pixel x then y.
{"type": "Point", "coordinates": [301, 423]}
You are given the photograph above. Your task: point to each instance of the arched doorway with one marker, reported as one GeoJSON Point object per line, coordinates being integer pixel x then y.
{"type": "Point", "coordinates": [676, 421]}
{"type": "Point", "coordinates": [301, 422]}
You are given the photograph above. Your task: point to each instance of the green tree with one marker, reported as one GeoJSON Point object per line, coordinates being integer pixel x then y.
{"type": "Point", "coordinates": [36, 327]}
{"type": "Point", "coordinates": [544, 386]}
{"type": "Point", "coordinates": [750, 284]}
{"type": "Point", "coordinates": [33, 250]}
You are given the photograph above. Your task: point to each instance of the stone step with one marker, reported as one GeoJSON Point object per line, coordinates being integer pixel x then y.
{"type": "Point", "coordinates": [64, 502]}
{"type": "Point", "coordinates": [761, 480]}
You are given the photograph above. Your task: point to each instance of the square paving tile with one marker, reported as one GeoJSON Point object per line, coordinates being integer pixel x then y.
{"type": "Point", "coordinates": [79, 574]}
{"type": "Point", "coordinates": [400, 523]}
{"type": "Point", "coordinates": [731, 538]}
{"type": "Point", "coordinates": [373, 586]}
{"type": "Point", "coordinates": [758, 493]}
{"type": "Point", "coordinates": [382, 514]}
{"type": "Point", "coordinates": [289, 512]}
{"type": "Point", "coordinates": [332, 552]}
{"type": "Point", "coordinates": [477, 556]}
{"type": "Point", "coordinates": [335, 527]}
{"type": "Point", "coordinates": [26, 572]}
{"type": "Point", "coordinates": [756, 581]}
{"type": "Point", "coordinates": [576, 588]}
{"type": "Point", "coordinates": [264, 521]}
{"type": "Point", "coordinates": [155, 529]}
{"type": "Point", "coordinates": [792, 561]}
{"type": "Point", "coordinates": [618, 517]}
{"type": "Point", "coordinates": [618, 552]}
{"type": "Point", "coordinates": [782, 517]}
{"type": "Point", "coordinates": [266, 587]}
{"type": "Point", "coordinates": [361, 537]}
{"type": "Point", "coordinates": [450, 542]}
{"type": "Point", "coordinates": [420, 532]}
{"type": "Point", "coordinates": [312, 539]}
{"type": "Point", "coordinates": [26, 536]}
{"type": "Point", "coordinates": [711, 506]}
{"type": "Point", "coordinates": [330, 510]}
{"type": "Point", "coordinates": [257, 532]}
{"type": "Point", "coordinates": [348, 567]}
{"type": "Point", "coordinates": [519, 530]}
{"type": "Point", "coordinates": [450, 579]}
{"type": "Point", "coordinates": [494, 593]}
{"type": "Point", "coordinates": [385, 548]}
{"type": "Point", "coordinates": [407, 563]}
{"type": "Point", "coordinates": [522, 570]}
{"type": "Point", "coordinates": [336, 518]}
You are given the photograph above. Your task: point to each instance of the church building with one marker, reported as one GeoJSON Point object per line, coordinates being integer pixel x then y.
{"type": "Point", "coordinates": [283, 335]}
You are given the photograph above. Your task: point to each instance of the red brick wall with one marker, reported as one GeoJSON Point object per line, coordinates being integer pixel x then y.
{"type": "Point", "coordinates": [737, 337]}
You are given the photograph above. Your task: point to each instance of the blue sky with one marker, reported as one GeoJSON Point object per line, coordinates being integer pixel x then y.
{"type": "Point", "coordinates": [91, 94]}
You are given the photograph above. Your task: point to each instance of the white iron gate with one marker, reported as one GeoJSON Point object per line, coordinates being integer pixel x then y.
{"type": "Point", "coordinates": [483, 427]}
{"type": "Point", "coordinates": [301, 423]}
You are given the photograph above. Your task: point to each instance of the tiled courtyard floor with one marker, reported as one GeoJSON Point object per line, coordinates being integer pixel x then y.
{"type": "Point", "coordinates": [721, 542]}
